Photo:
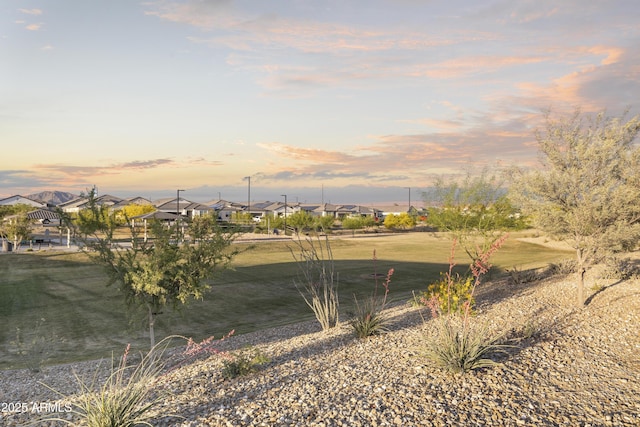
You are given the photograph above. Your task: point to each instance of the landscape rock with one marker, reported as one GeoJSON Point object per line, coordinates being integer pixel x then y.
{"type": "Point", "coordinates": [568, 366]}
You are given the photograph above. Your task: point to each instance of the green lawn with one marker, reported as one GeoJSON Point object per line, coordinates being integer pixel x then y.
{"type": "Point", "coordinates": [61, 298]}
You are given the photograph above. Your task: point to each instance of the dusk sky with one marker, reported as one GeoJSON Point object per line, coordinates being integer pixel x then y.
{"type": "Point", "coordinates": [365, 99]}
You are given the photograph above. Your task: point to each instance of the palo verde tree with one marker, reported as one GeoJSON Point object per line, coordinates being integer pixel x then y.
{"type": "Point", "coordinates": [476, 210]}
{"type": "Point", "coordinates": [587, 189]}
{"type": "Point", "coordinates": [161, 272]}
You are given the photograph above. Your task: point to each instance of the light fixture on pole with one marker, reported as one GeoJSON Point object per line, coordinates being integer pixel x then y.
{"type": "Point", "coordinates": [285, 213]}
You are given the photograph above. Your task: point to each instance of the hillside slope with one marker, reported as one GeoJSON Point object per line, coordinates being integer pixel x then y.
{"type": "Point", "coordinates": [571, 366]}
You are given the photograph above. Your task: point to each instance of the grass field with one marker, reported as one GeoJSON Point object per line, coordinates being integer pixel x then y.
{"type": "Point", "coordinates": [60, 304]}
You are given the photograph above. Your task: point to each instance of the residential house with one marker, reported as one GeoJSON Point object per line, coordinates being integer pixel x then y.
{"type": "Point", "coordinates": [224, 209]}
{"type": "Point", "coordinates": [81, 202]}
{"type": "Point", "coordinates": [184, 207]}
{"type": "Point", "coordinates": [21, 200]}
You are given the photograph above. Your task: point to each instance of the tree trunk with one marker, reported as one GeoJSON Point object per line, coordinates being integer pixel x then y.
{"type": "Point", "coordinates": [152, 336]}
{"type": "Point", "coordinates": [581, 287]}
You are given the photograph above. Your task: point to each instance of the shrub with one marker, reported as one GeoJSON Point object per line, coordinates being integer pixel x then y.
{"type": "Point", "coordinates": [127, 396]}
{"type": "Point", "coordinates": [319, 286]}
{"type": "Point", "coordinates": [520, 277]}
{"type": "Point", "coordinates": [243, 362]}
{"type": "Point", "coordinates": [618, 268]}
{"type": "Point", "coordinates": [402, 221]}
{"type": "Point", "coordinates": [449, 294]}
{"type": "Point", "coordinates": [458, 344]}
{"type": "Point", "coordinates": [563, 268]}
{"type": "Point", "coordinates": [369, 318]}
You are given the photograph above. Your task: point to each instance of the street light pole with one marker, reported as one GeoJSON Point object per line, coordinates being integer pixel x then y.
{"type": "Point", "coordinates": [248, 178]}
{"type": "Point", "coordinates": [409, 209]}
{"type": "Point", "coordinates": [285, 213]}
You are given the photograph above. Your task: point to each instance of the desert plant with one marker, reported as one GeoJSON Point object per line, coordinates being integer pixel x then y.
{"type": "Point", "coordinates": [319, 286]}
{"type": "Point", "coordinates": [587, 189]}
{"type": "Point", "coordinates": [563, 267]}
{"type": "Point", "coordinates": [450, 293]}
{"type": "Point", "coordinates": [127, 396]}
{"type": "Point", "coordinates": [369, 317]}
{"type": "Point", "coordinates": [616, 268]}
{"type": "Point", "coordinates": [243, 362]}
{"type": "Point", "coordinates": [33, 347]}
{"type": "Point", "coordinates": [159, 273]}
{"type": "Point", "coordinates": [459, 344]}
{"type": "Point", "coordinates": [520, 277]}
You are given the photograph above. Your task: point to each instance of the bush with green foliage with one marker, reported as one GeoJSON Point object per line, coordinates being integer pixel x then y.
{"type": "Point", "coordinates": [402, 221]}
{"type": "Point", "coordinates": [302, 221]}
{"type": "Point", "coordinates": [324, 223]}
{"type": "Point", "coordinates": [452, 293]}
{"type": "Point", "coordinates": [357, 222]}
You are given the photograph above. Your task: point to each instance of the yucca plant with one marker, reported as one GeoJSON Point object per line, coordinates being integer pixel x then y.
{"type": "Point", "coordinates": [368, 319]}
{"type": "Point", "coordinates": [127, 396]}
{"type": "Point", "coordinates": [459, 346]}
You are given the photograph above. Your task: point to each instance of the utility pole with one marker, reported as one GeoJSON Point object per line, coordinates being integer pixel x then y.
{"type": "Point", "coordinates": [248, 178]}
{"type": "Point", "coordinates": [285, 213]}
{"type": "Point", "coordinates": [409, 208]}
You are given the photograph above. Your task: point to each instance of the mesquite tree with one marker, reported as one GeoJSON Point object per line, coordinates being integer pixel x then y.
{"type": "Point", "coordinates": [161, 271]}
{"type": "Point", "coordinates": [588, 187]}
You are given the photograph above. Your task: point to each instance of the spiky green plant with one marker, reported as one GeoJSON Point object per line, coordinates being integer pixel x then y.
{"type": "Point", "coordinates": [458, 346]}
{"type": "Point", "coordinates": [127, 396]}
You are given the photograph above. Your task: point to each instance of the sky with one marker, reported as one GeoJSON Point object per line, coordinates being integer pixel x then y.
{"type": "Point", "coordinates": [320, 100]}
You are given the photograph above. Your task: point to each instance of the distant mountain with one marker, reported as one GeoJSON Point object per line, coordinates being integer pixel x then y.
{"type": "Point", "coordinates": [53, 197]}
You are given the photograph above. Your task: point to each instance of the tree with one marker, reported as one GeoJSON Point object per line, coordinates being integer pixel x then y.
{"type": "Point", "coordinates": [587, 189]}
{"type": "Point", "coordinates": [301, 221]}
{"type": "Point", "coordinates": [17, 228]}
{"type": "Point", "coordinates": [476, 211]}
{"type": "Point", "coordinates": [160, 272]}
{"type": "Point", "coordinates": [324, 223]}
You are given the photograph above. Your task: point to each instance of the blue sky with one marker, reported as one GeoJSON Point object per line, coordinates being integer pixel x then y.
{"type": "Point", "coordinates": [361, 98]}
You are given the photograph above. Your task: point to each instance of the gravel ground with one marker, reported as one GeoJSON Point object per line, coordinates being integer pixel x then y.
{"type": "Point", "coordinates": [569, 367]}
